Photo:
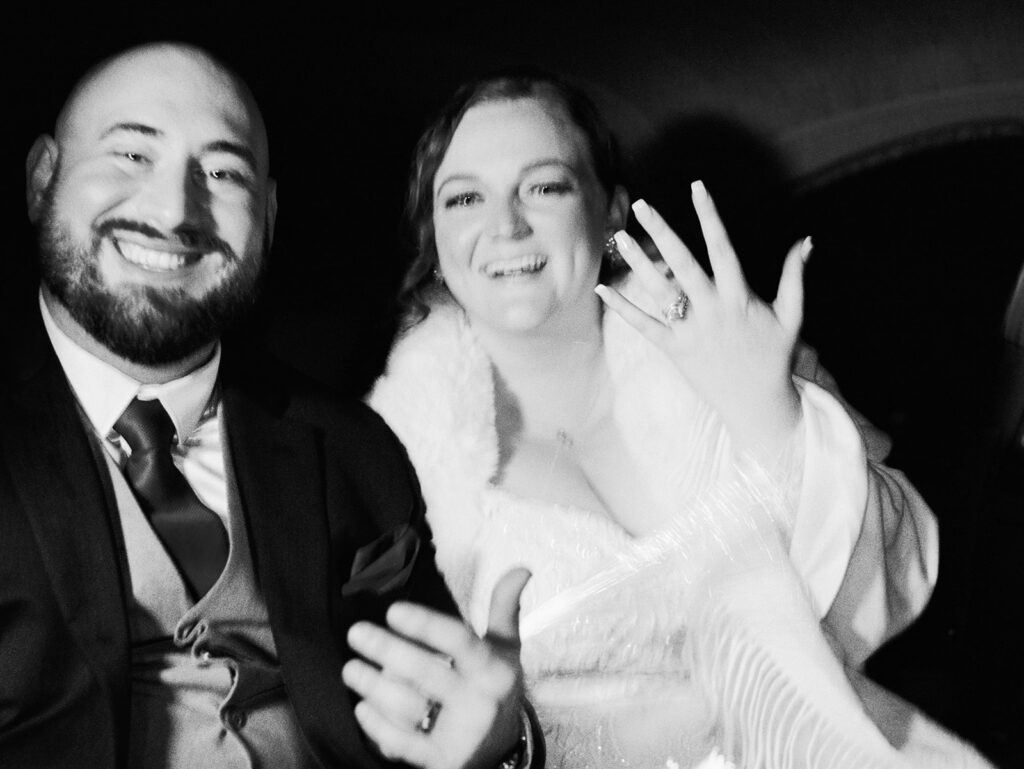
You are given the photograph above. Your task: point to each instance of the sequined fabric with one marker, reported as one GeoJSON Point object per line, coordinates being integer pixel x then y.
{"type": "Point", "coordinates": [612, 688]}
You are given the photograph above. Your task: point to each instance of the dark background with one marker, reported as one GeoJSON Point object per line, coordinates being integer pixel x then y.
{"type": "Point", "coordinates": [893, 133]}
{"type": "Point", "coordinates": [798, 116]}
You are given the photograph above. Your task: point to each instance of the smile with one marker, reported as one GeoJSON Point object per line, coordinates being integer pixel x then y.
{"type": "Point", "coordinates": [520, 265]}
{"type": "Point", "coordinates": [155, 260]}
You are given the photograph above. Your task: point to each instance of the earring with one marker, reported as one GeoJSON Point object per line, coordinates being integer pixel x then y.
{"type": "Point", "coordinates": [438, 277]}
{"type": "Point", "coordinates": [611, 251]}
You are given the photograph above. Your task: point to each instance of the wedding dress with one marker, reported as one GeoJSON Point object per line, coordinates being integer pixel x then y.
{"type": "Point", "coordinates": [698, 645]}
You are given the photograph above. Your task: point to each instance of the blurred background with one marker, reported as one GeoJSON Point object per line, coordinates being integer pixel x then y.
{"type": "Point", "coordinates": [891, 132]}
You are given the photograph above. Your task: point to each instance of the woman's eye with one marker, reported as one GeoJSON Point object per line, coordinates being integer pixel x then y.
{"type": "Point", "coordinates": [134, 157]}
{"type": "Point", "coordinates": [551, 188]}
{"type": "Point", "coordinates": [461, 200]}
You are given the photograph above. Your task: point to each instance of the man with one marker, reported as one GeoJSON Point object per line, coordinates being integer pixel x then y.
{"type": "Point", "coordinates": [193, 543]}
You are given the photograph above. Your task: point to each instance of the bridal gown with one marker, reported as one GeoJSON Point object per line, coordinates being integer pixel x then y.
{"type": "Point", "coordinates": [693, 646]}
{"type": "Point", "coordinates": [698, 645]}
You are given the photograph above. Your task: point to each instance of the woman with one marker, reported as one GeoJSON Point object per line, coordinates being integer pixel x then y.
{"type": "Point", "coordinates": [568, 424]}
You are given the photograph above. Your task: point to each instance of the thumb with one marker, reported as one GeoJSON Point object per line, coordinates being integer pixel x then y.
{"type": "Point", "coordinates": [503, 619]}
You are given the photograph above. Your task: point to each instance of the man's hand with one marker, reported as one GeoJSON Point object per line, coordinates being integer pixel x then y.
{"type": "Point", "coordinates": [437, 696]}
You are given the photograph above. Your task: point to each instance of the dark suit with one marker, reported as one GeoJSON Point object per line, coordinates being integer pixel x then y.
{"type": "Point", "coordinates": [323, 486]}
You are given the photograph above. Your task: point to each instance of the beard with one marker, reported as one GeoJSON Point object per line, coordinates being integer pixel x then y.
{"type": "Point", "coordinates": [144, 324]}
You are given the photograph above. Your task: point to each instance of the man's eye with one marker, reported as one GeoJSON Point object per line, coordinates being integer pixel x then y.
{"type": "Point", "coordinates": [226, 175]}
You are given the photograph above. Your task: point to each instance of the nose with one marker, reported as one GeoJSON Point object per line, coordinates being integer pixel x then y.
{"type": "Point", "coordinates": [509, 220]}
{"type": "Point", "coordinates": [170, 198]}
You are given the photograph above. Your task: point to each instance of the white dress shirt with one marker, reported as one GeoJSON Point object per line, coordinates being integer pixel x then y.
{"type": "Point", "coordinates": [104, 392]}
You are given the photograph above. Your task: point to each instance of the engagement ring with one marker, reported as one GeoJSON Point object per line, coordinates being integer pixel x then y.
{"type": "Point", "coordinates": [677, 310]}
{"type": "Point", "coordinates": [426, 724]}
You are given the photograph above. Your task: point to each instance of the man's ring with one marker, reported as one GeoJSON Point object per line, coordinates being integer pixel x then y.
{"type": "Point", "coordinates": [426, 724]}
{"type": "Point", "coordinates": [677, 310]}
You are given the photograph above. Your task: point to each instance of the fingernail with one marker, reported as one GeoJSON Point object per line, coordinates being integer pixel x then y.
{"type": "Point", "coordinates": [623, 240]}
{"type": "Point", "coordinates": [358, 634]}
{"type": "Point", "coordinates": [697, 189]}
{"type": "Point", "coordinates": [640, 207]}
{"type": "Point", "coordinates": [398, 612]}
{"type": "Point", "coordinates": [806, 248]}
{"type": "Point", "coordinates": [350, 672]}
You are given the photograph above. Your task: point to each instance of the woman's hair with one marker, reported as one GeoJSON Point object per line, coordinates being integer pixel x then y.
{"type": "Point", "coordinates": [419, 283]}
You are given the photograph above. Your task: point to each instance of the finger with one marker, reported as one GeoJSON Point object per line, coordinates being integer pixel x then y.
{"type": "Point", "coordinates": [789, 301]}
{"type": "Point", "coordinates": [440, 633]}
{"type": "Point", "coordinates": [503, 618]}
{"type": "Point", "coordinates": [393, 698]}
{"type": "Point", "coordinates": [403, 658]}
{"type": "Point", "coordinates": [724, 264]}
{"type": "Point", "coordinates": [661, 287]}
{"type": "Point", "coordinates": [685, 268]}
{"type": "Point", "coordinates": [394, 742]}
{"type": "Point", "coordinates": [633, 315]}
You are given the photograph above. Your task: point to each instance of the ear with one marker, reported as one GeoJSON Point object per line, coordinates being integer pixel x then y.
{"type": "Point", "coordinates": [618, 210]}
{"type": "Point", "coordinates": [40, 166]}
{"type": "Point", "coordinates": [271, 209]}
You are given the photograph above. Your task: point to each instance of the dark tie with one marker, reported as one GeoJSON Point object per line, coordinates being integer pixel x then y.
{"type": "Point", "coordinates": [192, 533]}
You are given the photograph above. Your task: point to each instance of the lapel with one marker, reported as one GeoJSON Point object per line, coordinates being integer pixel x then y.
{"type": "Point", "coordinates": [279, 466]}
{"type": "Point", "coordinates": [57, 480]}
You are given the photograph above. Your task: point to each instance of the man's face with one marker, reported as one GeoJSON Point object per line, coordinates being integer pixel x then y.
{"type": "Point", "coordinates": [154, 223]}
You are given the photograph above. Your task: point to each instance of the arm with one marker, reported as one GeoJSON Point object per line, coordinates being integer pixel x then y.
{"type": "Point", "coordinates": [864, 539]}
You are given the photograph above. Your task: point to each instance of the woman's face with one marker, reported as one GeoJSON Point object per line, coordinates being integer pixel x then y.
{"type": "Point", "coordinates": [520, 218]}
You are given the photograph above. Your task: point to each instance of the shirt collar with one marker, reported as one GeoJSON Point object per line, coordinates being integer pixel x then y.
{"type": "Point", "coordinates": [104, 391]}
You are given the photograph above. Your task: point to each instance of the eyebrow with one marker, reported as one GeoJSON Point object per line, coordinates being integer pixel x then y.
{"type": "Point", "coordinates": [533, 166]}
{"type": "Point", "coordinates": [237, 149]}
{"type": "Point", "coordinates": [138, 128]}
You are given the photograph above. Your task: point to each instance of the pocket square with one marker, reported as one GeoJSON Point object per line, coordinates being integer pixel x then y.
{"type": "Point", "coordinates": [384, 565]}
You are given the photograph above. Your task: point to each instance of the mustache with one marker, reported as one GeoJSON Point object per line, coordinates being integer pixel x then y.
{"type": "Point", "coordinates": [186, 236]}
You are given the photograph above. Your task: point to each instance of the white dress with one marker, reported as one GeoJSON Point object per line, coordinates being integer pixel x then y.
{"type": "Point", "coordinates": [609, 650]}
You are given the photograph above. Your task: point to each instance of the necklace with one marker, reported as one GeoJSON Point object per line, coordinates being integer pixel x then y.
{"type": "Point", "coordinates": [587, 421]}
{"type": "Point", "coordinates": [549, 414]}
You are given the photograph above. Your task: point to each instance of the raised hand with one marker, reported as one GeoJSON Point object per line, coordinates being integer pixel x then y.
{"type": "Point", "coordinates": [436, 695]}
{"type": "Point", "coordinates": [733, 348]}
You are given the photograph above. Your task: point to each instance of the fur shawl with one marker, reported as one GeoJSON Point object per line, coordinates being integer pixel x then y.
{"type": "Point", "coordinates": [437, 394]}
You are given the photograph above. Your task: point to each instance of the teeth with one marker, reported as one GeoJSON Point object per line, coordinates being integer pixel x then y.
{"type": "Point", "coordinates": [151, 259]}
{"type": "Point", "coordinates": [520, 265]}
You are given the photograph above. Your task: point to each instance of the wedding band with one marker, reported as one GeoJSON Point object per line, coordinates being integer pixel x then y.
{"type": "Point", "coordinates": [677, 310]}
{"type": "Point", "coordinates": [426, 724]}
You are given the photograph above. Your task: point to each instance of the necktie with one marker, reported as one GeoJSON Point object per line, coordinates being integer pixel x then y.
{"type": "Point", "coordinates": [193, 534]}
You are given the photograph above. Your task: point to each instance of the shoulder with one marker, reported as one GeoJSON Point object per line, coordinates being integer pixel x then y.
{"type": "Point", "coordinates": [266, 389]}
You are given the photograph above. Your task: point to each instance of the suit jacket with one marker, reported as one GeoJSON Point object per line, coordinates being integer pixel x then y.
{"type": "Point", "coordinates": [335, 522]}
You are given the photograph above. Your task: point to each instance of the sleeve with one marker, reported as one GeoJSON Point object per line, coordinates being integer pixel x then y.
{"type": "Point", "coordinates": [864, 541]}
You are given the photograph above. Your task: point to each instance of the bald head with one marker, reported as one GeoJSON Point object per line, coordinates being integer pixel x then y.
{"type": "Point", "coordinates": [155, 206]}
{"type": "Point", "coordinates": [164, 71]}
